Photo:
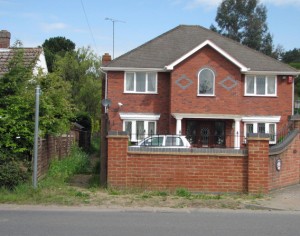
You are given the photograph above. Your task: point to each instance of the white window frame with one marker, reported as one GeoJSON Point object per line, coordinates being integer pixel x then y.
{"type": "Point", "coordinates": [266, 86]}
{"type": "Point", "coordinates": [214, 85]}
{"type": "Point", "coordinates": [134, 118]}
{"type": "Point", "coordinates": [134, 82]}
{"type": "Point", "coordinates": [258, 120]}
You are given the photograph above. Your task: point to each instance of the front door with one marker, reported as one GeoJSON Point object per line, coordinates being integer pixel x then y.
{"type": "Point", "coordinates": [206, 133]}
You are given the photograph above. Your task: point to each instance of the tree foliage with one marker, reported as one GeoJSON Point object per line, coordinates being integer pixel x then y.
{"type": "Point", "coordinates": [245, 22]}
{"type": "Point", "coordinates": [56, 46]}
{"type": "Point", "coordinates": [17, 104]}
{"type": "Point", "coordinates": [81, 69]}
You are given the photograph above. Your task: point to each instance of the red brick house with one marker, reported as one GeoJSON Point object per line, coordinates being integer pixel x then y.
{"type": "Point", "coordinates": [195, 82]}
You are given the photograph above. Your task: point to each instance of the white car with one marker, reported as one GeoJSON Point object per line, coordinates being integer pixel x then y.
{"type": "Point", "coordinates": [170, 141]}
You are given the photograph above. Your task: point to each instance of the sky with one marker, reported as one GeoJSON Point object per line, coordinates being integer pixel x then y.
{"type": "Point", "coordinates": [135, 21]}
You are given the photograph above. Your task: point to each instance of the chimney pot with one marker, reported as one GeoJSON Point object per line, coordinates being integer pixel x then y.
{"type": "Point", "coordinates": [4, 39]}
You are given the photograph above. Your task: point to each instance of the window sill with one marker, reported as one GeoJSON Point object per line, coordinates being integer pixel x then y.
{"type": "Point", "coordinates": [202, 95]}
{"type": "Point", "coordinates": [268, 96]}
{"type": "Point", "coordinates": [154, 93]}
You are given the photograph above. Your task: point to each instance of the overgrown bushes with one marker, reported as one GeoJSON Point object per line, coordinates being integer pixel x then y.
{"type": "Point", "coordinates": [12, 173]}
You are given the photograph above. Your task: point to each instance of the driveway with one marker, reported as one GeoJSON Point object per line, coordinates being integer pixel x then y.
{"type": "Point", "coordinates": [282, 199]}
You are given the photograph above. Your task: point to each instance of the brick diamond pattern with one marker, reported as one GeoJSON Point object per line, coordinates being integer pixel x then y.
{"type": "Point", "coordinates": [184, 82]}
{"type": "Point", "coordinates": [228, 83]}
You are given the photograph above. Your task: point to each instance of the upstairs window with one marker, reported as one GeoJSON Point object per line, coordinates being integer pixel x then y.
{"type": "Point", "coordinates": [140, 82]}
{"type": "Point", "coordinates": [260, 85]}
{"type": "Point", "coordinates": [206, 82]}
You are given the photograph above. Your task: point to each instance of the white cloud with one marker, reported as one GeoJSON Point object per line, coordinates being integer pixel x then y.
{"type": "Point", "coordinates": [53, 26]}
{"type": "Point", "coordinates": [215, 3]}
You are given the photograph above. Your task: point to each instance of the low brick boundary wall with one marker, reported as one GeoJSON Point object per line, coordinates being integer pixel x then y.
{"type": "Point", "coordinates": [210, 170]}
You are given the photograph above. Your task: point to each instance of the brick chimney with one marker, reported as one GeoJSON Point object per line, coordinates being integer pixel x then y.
{"type": "Point", "coordinates": [4, 39]}
{"type": "Point", "coordinates": [106, 58]}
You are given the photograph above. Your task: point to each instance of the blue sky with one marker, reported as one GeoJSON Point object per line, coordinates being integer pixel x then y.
{"type": "Point", "coordinates": [34, 21]}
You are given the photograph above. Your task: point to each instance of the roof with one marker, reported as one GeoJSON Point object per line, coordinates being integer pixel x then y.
{"type": "Point", "coordinates": [165, 50]}
{"type": "Point", "coordinates": [6, 54]}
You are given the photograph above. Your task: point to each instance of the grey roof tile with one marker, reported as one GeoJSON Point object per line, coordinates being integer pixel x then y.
{"type": "Point", "coordinates": [172, 45]}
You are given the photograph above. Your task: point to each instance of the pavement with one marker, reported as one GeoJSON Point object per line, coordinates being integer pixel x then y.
{"type": "Point", "coordinates": [286, 199]}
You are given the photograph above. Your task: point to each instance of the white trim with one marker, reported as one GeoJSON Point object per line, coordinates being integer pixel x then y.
{"type": "Point", "coordinates": [133, 69]}
{"type": "Point", "coordinates": [146, 82]}
{"type": "Point", "coordinates": [205, 116]}
{"type": "Point", "coordinates": [252, 72]}
{"type": "Point", "coordinates": [254, 94]}
{"type": "Point", "coordinates": [261, 119]}
{"type": "Point", "coordinates": [214, 84]}
{"type": "Point", "coordinates": [214, 46]}
{"type": "Point", "coordinates": [139, 116]}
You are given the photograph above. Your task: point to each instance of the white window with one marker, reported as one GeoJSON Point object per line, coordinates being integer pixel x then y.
{"type": "Point", "coordinates": [139, 125]}
{"type": "Point", "coordinates": [206, 82]}
{"type": "Point", "coordinates": [139, 129]}
{"type": "Point", "coordinates": [262, 128]}
{"type": "Point", "coordinates": [140, 82]}
{"type": "Point", "coordinates": [260, 85]}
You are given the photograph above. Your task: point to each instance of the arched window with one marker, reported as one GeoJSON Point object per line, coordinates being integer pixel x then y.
{"type": "Point", "coordinates": [206, 82]}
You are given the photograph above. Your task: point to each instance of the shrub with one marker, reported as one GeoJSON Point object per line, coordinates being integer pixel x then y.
{"type": "Point", "coordinates": [76, 163]}
{"type": "Point", "coordinates": [12, 173]}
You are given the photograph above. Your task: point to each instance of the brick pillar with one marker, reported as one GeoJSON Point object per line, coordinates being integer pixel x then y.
{"type": "Point", "coordinates": [117, 155]}
{"type": "Point", "coordinates": [258, 163]}
{"type": "Point", "coordinates": [296, 119]}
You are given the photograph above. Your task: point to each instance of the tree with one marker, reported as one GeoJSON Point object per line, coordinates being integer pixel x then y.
{"type": "Point", "coordinates": [245, 22]}
{"type": "Point", "coordinates": [17, 99]}
{"type": "Point", "coordinates": [292, 56]}
{"type": "Point", "coordinates": [81, 69]}
{"type": "Point", "coordinates": [57, 46]}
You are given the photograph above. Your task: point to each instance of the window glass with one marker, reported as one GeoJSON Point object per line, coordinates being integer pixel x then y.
{"type": "Point", "coordinates": [272, 132]}
{"type": "Point", "coordinates": [206, 82]}
{"type": "Point", "coordinates": [249, 128]}
{"type": "Point", "coordinates": [260, 85]}
{"type": "Point", "coordinates": [128, 127]}
{"type": "Point", "coordinates": [174, 141]}
{"type": "Point", "coordinates": [140, 130]}
{"type": "Point", "coordinates": [151, 82]}
{"type": "Point", "coordinates": [155, 141]}
{"type": "Point", "coordinates": [271, 85]}
{"type": "Point", "coordinates": [250, 84]}
{"type": "Point", "coordinates": [129, 81]}
{"type": "Point", "coordinates": [140, 82]}
{"type": "Point", "coordinates": [261, 128]}
{"type": "Point", "coordinates": [151, 128]}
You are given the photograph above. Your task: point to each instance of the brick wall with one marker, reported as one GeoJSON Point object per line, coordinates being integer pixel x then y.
{"type": "Point", "coordinates": [251, 172]}
{"type": "Point", "coordinates": [172, 98]}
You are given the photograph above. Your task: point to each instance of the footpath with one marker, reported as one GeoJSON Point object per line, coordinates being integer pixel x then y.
{"type": "Point", "coordinates": [282, 199]}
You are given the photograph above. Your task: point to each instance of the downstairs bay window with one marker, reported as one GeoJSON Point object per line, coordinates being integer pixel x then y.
{"type": "Point", "coordinates": [262, 128]}
{"type": "Point", "coordinates": [139, 126]}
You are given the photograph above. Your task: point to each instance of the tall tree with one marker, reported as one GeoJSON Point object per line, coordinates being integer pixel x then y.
{"type": "Point", "coordinates": [56, 46]}
{"type": "Point", "coordinates": [82, 69]}
{"type": "Point", "coordinates": [245, 22]}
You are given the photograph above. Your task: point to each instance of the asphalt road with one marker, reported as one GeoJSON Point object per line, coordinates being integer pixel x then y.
{"type": "Point", "coordinates": [86, 222]}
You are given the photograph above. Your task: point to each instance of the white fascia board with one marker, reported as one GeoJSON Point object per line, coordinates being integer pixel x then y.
{"type": "Point", "coordinates": [272, 73]}
{"type": "Point", "coordinates": [214, 46]}
{"type": "Point", "coordinates": [179, 116]}
{"type": "Point", "coordinates": [139, 116]}
{"type": "Point", "coordinates": [134, 69]}
{"type": "Point", "coordinates": [262, 119]}
{"type": "Point", "coordinates": [41, 65]}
